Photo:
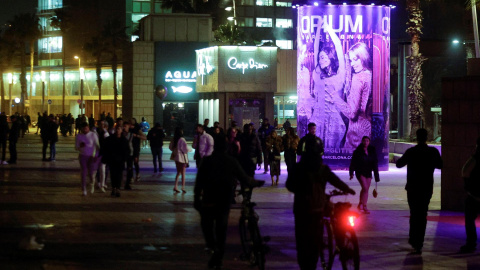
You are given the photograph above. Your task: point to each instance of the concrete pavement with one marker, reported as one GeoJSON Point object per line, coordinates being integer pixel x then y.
{"type": "Point", "coordinates": [150, 227]}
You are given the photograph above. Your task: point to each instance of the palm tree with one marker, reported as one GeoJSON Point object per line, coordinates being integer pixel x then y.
{"type": "Point", "coordinates": [62, 20]}
{"type": "Point", "coordinates": [97, 48]}
{"type": "Point", "coordinates": [6, 57]}
{"type": "Point", "coordinates": [229, 33]}
{"type": "Point", "coordinates": [414, 62]}
{"type": "Point", "coordinates": [116, 41]}
{"type": "Point", "coordinates": [24, 29]}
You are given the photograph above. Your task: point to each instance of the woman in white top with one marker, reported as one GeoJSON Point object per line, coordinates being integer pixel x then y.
{"type": "Point", "coordinates": [179, 153]}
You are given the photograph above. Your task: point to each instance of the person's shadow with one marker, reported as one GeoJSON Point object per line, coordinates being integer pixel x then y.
{"type": "Point", "coordinates": [413, 261]}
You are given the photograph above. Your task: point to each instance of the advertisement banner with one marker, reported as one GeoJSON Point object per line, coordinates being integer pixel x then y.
{"type": "Point", "coordinates": [343, 76]}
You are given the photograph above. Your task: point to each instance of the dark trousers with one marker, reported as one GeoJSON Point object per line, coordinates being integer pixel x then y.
{"type": "Point", "coordinates": [418, 202]}
{"type": "Point", "coordinates": [290, 159]}
{"type": "Point", "coordinates": [129, 170]}
{"type": "Point", "coordinates": [214, 224]}
{"type": "Point", "coordinates": [157, 155]}
{"type": "Point", "coordinates": [266, 160]}
{"type": "Point", "coordinates": [198, 160]}
{"type": "Point", "coordinates": [308, 236]}
{"type": "Point", "coordinates": [472, 208]}
{"type": "Point", "coordinates": [52, 149]}
{"type": "Point", "coordinates": [116, 174]}
{"type": "Point", "coordinates": [3, 144]}
{"type": "Point", "coordinates": [12, 148]}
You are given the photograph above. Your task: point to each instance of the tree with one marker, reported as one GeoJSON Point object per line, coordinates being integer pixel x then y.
{"type": "Point", "coordinates": [178, 6]}
{"type": "Point", "coordinates": [7, 51]}
{"type": "Point", "coordinates": [24, 29]}
{"type": "Point", "coordinates": [414, 62]}
{"type": "Point", "coordinates": [62, 20]}
{"type": "Point", "coordinates": [229, 33]}
{"type": "Point", "coordinates": [115, 42]}
{"type": "Point", "coordinates": [97, 48]}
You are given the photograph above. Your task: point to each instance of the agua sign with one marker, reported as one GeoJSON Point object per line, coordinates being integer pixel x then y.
{"type": "Point", "coordinates": [181, 76]}
{"type": "Point", "coordinates": [233, 63]}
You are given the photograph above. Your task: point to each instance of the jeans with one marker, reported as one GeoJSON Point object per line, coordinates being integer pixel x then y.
{"type": "Point", "coordinates": [157, 155]}
{"type": "Point", "coordinates": [418, 202]}
{"type": "Point", "coordinates": [52, 149]}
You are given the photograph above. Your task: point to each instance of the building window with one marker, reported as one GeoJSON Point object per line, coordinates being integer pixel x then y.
{"type": "Point", "coordinates": [137, 17]}
{"type": "Point", "coordinates": [141, 6]}
{"type": "Point", "coordinates": [285, 107]}
{"type": "Point", "coordinates": [49, 4]}
{"type": "Point", "coordinates": [283, 23]}
{"type": "Point", "coordinates": [284, 44]}
{"type": "Point", "coordinates": [159, 9]}
{"type": "Point", "coordinates": [245, 22]}
{"type": "Point", "coordinates": [264, 22]}
{"type": "Point", "coordinates": [50, 45]}
{"type": "Point", "coordinates": [283, 4]}
{"type": "Point", "coordinates": [247, 2]}
{"type": "Point", "coordinates": [264, 2]}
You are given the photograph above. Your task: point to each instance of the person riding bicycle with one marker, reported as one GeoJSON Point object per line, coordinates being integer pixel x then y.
{"type": "Point", "coordinates": [213, 194]}
{"type": "Point", "coordinates": [308, 182]}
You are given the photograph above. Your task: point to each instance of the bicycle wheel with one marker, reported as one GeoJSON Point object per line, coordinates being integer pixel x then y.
{"type": "Point", "coordinates": [326, 249]}
{"type": "Point", "coordinates": [245, 238]}
{"type": "Point", "coordinates": [258, 252]}
{"type": "Point", "coordinates": [349, 252]}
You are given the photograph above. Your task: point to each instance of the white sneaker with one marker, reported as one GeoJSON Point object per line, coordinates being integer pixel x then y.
{"type": "Point", "coordinates": [92, 188]}
{"type": "Point", "coordinates": [102, 190]}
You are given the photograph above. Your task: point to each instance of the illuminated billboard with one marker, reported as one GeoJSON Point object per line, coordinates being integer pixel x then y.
{"type": "Point", "coordinates": [343, 78]}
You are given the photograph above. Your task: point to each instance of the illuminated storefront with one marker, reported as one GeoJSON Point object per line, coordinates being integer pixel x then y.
{"type": "Point", "coordinates": [343, 77]}
{"type": "Point", "coordinates": [175, 69]}
{"type": "Point", "coordinates": [242, 80]}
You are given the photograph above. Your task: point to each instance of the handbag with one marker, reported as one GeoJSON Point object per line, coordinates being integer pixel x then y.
{"type": "Point", "coordinates": [172, 156]}
{"type": "Point", "coordinates": [375, 193]}
{"type": "Point", "coordinates": [186, 159]}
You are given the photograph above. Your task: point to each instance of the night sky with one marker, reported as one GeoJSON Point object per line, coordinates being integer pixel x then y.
{"type": "Point", "coordinates": [8, 8]}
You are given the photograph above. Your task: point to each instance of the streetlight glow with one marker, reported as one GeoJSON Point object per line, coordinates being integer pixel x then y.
{"type": "Point", "coordinates": [228, 8]}
{"type": "Point", "coordinates": [455, 41]}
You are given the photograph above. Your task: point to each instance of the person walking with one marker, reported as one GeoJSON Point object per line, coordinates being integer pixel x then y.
{"type": "Point", "coordinates": [49, 136]}
{"type": "Point", "coordinates": [421, 161]}
{"type": "Point", "coordinates": [263, 133]}
{"type": "Point", "coordinates": [102, 133]}
{"type": "Point", "coordinates": [471, 177]}
{"type": "Point", "coordinates": [307, 181]}
{"type": "Point", "coordinates": [364, 161]}
{"type": "Point", "coordinates": [274, 146]}
{"type": "Point", "coordinates": [312, 129]}
{"type": "Point", "coordinates": [156, 136]}
{"type": "Point", "coordinates": [88, 146]}
{"type": "Point", "coordinates": [138, 137]}
{"type": "Point", "coordinates": [116, 153]}
{"type": "Point", "coordinates": [129, 135]}
{"type": "Point", "coordinates": [213, 193]}
{"type": "Point", "coordinates": [144, 127]}
{"type": "Point", "coordinates": [290, 145]}
{"type": "Point", "coordinates": [179, 149]}
{"type": "Point", "coordinates": [4, 129]}
{"type": "Point", "coordinates": [39, 122]}
{"type": "Point", "coordinates": [13, 136]}
{"type": "Point", "coordinates": [202, 143]}
{"type": "Point", "coordinates": [250, 150]}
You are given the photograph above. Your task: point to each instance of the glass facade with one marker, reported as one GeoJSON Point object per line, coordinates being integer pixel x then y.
{"type": "Point", "coordinates": [283, 23]}
{"type": "Point", "coordinates": [285, 107]}
{"type": "Point", "coordinates": [49, 4]}
{"type": "Point", "coordinates": [264, 22]}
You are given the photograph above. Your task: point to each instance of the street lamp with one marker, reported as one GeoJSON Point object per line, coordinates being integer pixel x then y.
{"type": "Point", "coordinates": [234, 18]}
{"type": "Point", "coordinates": [10, 83]}
{"type": "Point", "coordinates": [81, 72]}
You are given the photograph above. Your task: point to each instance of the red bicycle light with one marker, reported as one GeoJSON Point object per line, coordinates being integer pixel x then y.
{"type": "Point", "coordinates": [351, 220]}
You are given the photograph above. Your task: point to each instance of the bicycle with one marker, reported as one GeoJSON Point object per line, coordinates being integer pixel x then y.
{"type": "Point", "coordinates": [339, 235]}
{"type": "Point", "coordinates": [254, 246]}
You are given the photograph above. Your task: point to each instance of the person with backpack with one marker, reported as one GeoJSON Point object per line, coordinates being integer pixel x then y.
{"type": "Point", "coordinates": [307, 181]}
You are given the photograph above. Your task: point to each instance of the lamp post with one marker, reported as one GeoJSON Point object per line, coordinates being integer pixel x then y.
{"type": "Point", "coordinates": [10, 84]}
{"type": "Point", "coordinates": [43, 90]}
{"type": "Point", "coordinates": [81, 72]}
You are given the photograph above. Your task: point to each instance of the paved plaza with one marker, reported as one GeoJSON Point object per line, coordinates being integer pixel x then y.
{"type": "Point", "coordinates": [150, 227]}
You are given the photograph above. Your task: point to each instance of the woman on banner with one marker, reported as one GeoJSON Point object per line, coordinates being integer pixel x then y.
{"type": "Point", "coordinates": [356, 107]}
{"type": "Point", "coordinates": [330, 63]}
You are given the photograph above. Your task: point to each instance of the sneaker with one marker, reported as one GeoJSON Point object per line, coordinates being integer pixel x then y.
{"type": "Point", "coordinates": [92, 188]}
{"type": "Point", "coordinates": [467, 249]}
{"type": "Point", "coordinates": [102, 190]}
{"type": "Point", "coordinates": [84, 193]}
{"type": "Point", "coordinates": [137, 178]}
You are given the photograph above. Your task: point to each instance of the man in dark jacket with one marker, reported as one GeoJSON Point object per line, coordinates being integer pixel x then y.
{"type": "Point", "coordinates": [312, 129]}
{"type": "Point", "coordinates": [263, 133]}
{"type": "Point", "coordinates": [250, 150]}
{"type": "Point", "coordinates": [156, 136]}
{"type": "Point", "coordinates": [307, 181]}
{"type": "Point", "coordinates": [12, 140]}
{"type": "Point", "coordinates": [471, 176]}
{"type": "Point", "coordinates": [49, 136]}
{"type": "Point", "coordinates": [422, 161]}
{"type": "Point", "coordinates": [213, 194]}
